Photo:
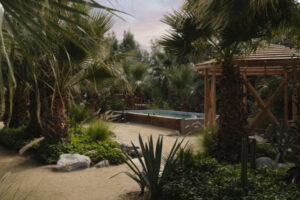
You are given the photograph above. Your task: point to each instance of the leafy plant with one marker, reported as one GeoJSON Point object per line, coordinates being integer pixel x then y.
{"type": "Point", "coordinates": [153, 174]}
{"type": "Point", "coordinates": [280, 140]}
{"type": "Point", "coordinates": [202, 177]}
{"type": "Point", "coordinates": [78, 113]}
{"type": "Point", "coordinates": [209, 133]}
{"type": "Point", "coordinates": [99, 130]}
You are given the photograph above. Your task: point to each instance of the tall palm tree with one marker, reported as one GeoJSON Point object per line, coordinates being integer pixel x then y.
{"type": "Point", "coordinates": [32, 16]}
{"type": "Point", "coordinates": [224, 29]}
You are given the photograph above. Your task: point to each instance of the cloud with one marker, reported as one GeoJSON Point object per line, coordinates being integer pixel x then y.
{"type": "Point", "coordinates": [145, 21]}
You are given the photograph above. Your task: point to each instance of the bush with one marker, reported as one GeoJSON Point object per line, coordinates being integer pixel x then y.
{"type": "Point", "coordinates": [15, 138]}
{"type": "Point", "coordinates": [78, 113]}
{"type": "Point", "coordinates": [83, 144]}
{"type": "Point", "coordinates": [49, 151]}
{"type": "Point", "coordinates": [265, 150]}
{"type": "Point", "coordinates": [99, 130]}
{"type": "Point", "coordinates": [202, 177]}
{"type": "Point", "coordinates": [208, 139]}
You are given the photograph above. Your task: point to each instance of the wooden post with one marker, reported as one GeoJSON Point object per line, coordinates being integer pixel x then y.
{"type": "Point", "coordinates": [245, 93]}
{"type": "Point", "coordinates": [206, 98]}
{"type": "Point", "coordinates": [286, 102]}
{"type": "Point", "coordinates": [295, 95]}
{"type": "Point", "coordinates": [213, 98]}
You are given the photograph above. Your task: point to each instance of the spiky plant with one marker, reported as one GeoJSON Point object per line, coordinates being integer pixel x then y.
{"type": "Point", "coordinates": [153, 172]}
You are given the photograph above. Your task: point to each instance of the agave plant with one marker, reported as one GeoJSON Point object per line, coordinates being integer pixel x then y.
{"type": "Point", "coordinates": [152, 174]}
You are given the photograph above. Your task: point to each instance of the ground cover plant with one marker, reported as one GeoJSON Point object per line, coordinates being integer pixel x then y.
{"type": "Point", "coordinates": [202, 177]}
{"type": "Point", "coordinates": [80, 143]}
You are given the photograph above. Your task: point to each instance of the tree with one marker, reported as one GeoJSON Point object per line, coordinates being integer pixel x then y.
{"type": "Point", "coordinates": [223, 29]}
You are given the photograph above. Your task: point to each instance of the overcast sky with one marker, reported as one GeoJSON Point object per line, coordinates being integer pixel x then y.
{"type": "Point", "coordinates": [145, 22]}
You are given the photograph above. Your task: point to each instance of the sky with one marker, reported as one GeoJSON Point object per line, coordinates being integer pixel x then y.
{"type": "Point", "coordinates": [145, 22]}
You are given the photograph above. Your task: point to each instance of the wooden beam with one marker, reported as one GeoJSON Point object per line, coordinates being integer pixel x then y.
{"type": "Point", "coordinates": [295, 94]}
{"type": "Point", "coordinates": [245, 93]}
{"type": "Point", "coordinates": [265, 107]}
{"type": "Point", "coordinates": [213, 99]}
{"type": "Point", "coordinates": [206, 99]}
{"type": "Point", "coordinates": [286, 102]}
{"type": "Point", "coordinates": [269, 103]}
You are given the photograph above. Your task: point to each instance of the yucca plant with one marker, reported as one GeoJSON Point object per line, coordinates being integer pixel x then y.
{"type": "Point", "coordinates": [153, 172]}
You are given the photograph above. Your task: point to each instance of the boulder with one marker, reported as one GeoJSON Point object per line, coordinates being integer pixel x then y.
{"type": "Point", "coordinates": [133, 154]}
{"type": "Point", "coordinates": [174, 133]}
{"type": "Point", "coordinates": [101, 164]}
{"type": "Point", "coordinates": [71, 162]}
{"type": "Point", "coordinates": [264, 162]}
{"type": "Point", "coordinates": [281, 165]}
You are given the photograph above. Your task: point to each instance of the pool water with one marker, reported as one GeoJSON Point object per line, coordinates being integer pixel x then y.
{"type": "Point", "coordinates": [167, 113]}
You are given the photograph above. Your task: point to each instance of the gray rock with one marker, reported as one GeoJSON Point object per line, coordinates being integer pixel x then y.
{"type": "Point", "coordinates": [281, 165]}
{"type": "Point", "coordinates": [71, 162]}
{"type": "Point", "coordinates": [264, 162]}
{"type": "Point", "coordinates": [101, 164]}
{"type": "Point", "coordinates": [175, 133]}
{"type": "Point", "coordinates": [134, 155]}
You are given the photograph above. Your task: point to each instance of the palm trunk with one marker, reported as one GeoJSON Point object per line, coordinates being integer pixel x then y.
{"type": "Point", "coordinates": [52, 116]}
{"type": "Point", "coordinates": [232, 120]}
{"type": "Point", "coordinates": [19, 108]}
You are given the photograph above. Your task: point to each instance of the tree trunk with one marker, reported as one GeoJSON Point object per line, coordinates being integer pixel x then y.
{"type": "Point", "coordinates": [232, 119]}
{"type": "Point", "coordinates": [19, 108]}
{"type": "Point", "coordinates": [52, 115]}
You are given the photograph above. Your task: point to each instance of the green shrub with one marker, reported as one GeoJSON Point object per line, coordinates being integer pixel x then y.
{"type": "Point", "coordinates": [201, 177]}
{"type": "Point", "coordinates": [208, 139]}
{"type": "Point", "coordinates": [265, 150]}
{"type": "Point", "coordinates": [15, 138]}
{"type": "Point", "coordinates": [83, 144]}
{"type": "Point", "coordinates": [78, 113]}
{"type": "Point", "coordinates": [99, 130]}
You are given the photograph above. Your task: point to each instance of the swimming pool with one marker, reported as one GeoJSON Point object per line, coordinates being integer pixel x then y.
{"type": "Point", "coordinates": [184, 122]}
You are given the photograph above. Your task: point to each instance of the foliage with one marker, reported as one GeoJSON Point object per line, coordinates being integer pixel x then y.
{"type": "Point", "coordinates": [15, 138]}
{"type": "Point", "coordinates": [209, 134]}
{"type": "Point", "coordinates": [153, 174]}
{"type": "Point", "coordinates": [296, 146]}
{"type": "Point", "coordinates": [78, 113]}
{"type": "Point", "coordinates": [99, 130]}
{"type": "Point", "coordinates": [265, 150]}
{"type": "Point", "coordinates": [83, 144]}
{"type": "Point", "coordinates": [49, 151]}
{"type": "Point", "coordinates": [202, 177]}
{"type": "Point", "coordinates": [280, 140]}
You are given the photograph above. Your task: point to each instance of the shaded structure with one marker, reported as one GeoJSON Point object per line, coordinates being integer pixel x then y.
{"type": "Point", "coordinates": [273, 60]}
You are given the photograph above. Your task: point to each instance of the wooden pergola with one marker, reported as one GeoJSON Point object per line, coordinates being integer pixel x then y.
{"type": "Point", "coordinates": [273, 60]}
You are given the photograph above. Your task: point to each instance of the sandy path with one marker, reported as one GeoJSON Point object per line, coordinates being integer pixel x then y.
{"type": "Point", "coordinates": [42, 183]}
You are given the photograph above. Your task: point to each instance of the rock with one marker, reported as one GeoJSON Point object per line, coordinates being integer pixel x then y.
{"type": "Point", "coordinates": [101, 164]}
{"type": "Point", "coordinates": [281, 165]}
{"type": "Point", "coordinates": [265, 162]}
{"type": "Point", "coordinates": [134, 155]}
{"type": "Point", "coordinates": [175, 133]}
{"type": "Point", "coordinates": [71, 162]}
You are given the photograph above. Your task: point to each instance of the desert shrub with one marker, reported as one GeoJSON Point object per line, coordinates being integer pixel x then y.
{"type": "Point", "coordinates": [265, 150]}
{"type": "Point", "coordinates": [14, 138]}
{"type": "Point", "coordinates": [83, 144]}
{"type": "Point", "coordinates": [201, 177]}
{"type": "Point", "coordinates": [208, 139]}
{"type": "Point", "coordinates": [99, 130]}
{"type": "Point", "coordinates": [78, 113]}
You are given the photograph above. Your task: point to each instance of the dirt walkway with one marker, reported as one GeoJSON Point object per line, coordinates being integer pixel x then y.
{"type": "Point", "coordinates": [42, 183]}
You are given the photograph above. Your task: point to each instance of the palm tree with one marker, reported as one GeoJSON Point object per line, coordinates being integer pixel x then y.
{"type": "Point", "coordinates": [33, 16]}
{"type": "Point", "coordinates": [57, 75]}
{"type": "Point", "coordinates": [224, 29]}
